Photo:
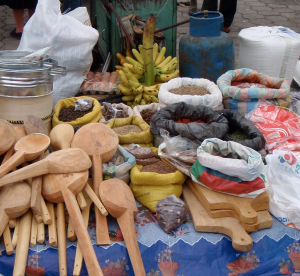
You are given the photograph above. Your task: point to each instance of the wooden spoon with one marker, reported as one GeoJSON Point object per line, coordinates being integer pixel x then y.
{"type": "Point", "coordinates": [27, 148]}
{"type": "Point", "coordinates": [62, 161]}
{"type": "Point", "coordinates": [14, 202]}
{"type": "Point", "coordinates": [63, 191]}
{"type": "Point", "coordinates": [101, 143]}
{"type": "Point", "coordinates": [7, 136]}
{"type": "Point", "coordinates": [120, 203]}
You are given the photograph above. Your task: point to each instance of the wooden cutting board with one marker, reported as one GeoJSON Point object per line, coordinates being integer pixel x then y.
{"type": "Point", "coordinates": [245, 208]}
{"type": "Point", "coordinates": [264, 219]}
{"type": "Point", "coordinates": [229, 226]}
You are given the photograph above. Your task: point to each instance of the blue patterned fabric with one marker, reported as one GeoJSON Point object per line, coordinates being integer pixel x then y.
{"type": "Point", "coordinates": [184, 252]}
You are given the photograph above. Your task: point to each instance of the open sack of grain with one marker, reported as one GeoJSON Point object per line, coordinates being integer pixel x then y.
{"type": "Point", "coordinates": [191, 91]}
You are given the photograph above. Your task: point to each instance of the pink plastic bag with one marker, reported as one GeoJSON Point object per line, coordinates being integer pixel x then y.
{"type": "Point", "coordinates": [280, 127]}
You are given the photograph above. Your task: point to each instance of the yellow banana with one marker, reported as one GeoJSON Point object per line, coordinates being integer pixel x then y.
{"type": "Point", "coordinates": [140, 89]}
{"type": "Point", "coordinates": [134, 84]}
{"type": "Point", "coordinates": [138, 98]}
{"type": "Point", "coordinates": [121, 58]}
{"type": "Point", "coordinates": [128, 65]}
{"type": "Point", "coordinates": [123, 78]}
{"type": "Point", "coordinates": [124, 89]}
{"type": "Point", "coordinates": [151, 93]}
{"type": "Point", "coordinates": [170, 67]}
{"type": "Point", "coordinates": [152, 87]}
{"type": "Point", "coordinates": [150, 98]}
{"type": "Point", "coordinates": [166, 61]}
{"type": "Point", "coordinates": [143, 102]}
{"type": "Point", "coordinates": [118, 67]}
{"type": "Point", "coordinates": [167, 77]}
{"type": "Point", "coordinates": [161, 56]}
{"type": "Point", "coordinates": [127, 98]}
{"type": "Point", "coordinates": [141, 49]}
{"type": "Point", "coordinates": [138, 56]}
{"type": "Point", "coordinates": [134, 62]}
{"type": "Point", "coordinates": [129, 75]}
{"type": "Point", "coordinates": [155, 51]}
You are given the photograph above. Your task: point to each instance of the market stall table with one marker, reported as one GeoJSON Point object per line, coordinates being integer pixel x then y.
{"type": "Point", "coordinates": [184, 252]}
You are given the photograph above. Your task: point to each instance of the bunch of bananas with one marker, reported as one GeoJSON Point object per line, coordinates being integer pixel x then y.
{"type": "Point", "coordinates": [131, 72]}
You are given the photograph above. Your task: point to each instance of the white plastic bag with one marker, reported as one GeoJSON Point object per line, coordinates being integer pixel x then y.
{"type": "Point", "coordinates": [70, 42]}
{"type": "Point", "coordinates": [283, 184]}
{"type": "Point", "coordinates": [230, 158]}
{"type": "Point", "coordinates": [139, 108]}
{"type": "Point", "coordinates": [273, 51]}
{"type": "Point", "coordinates": [212, 100]}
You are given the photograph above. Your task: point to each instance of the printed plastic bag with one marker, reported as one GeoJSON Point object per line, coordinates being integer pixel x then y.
{"type": "Point", "coordinates": [228, 167]}
{"type": "Point", "coordinates": [115, 110]}
{"type": "Point", "coordinates": [70, 41]}
{"type": "Point", "coordinates": [283, 177]}
{"type": "Point", "coordinates": [212, 100]}
{"type": "Point", "coordinates": [280, 127]}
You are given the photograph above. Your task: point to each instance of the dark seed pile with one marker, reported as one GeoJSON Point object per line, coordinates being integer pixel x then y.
{"type": "Point", "coordinates": [68, 114]}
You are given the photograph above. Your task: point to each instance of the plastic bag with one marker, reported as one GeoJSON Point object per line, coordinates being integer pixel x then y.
{"type": "Point", "coordinates": [230, 158]}
{"type": "Point", "coordinates": [70, 41]}
{"type": "Point", "coordinates": [143, 137]}
{"type": "Point", "coordinates": [280, 127]}
{"type": "Point", "coordinates": [212, 100]}
{"type": "Point", "coordinates": [283, 177]}
{"type": "Point", "coordinates": [121, 171]}
{"type": "Point", "coordinates": [171, 212]}
{"type": "Point", "coordinates": [91, 117]}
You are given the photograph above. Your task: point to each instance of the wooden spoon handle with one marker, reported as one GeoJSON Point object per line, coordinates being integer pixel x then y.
{"type": "Point", "coordinates": [81, 200]}
{"type": "Point", "coordinates": [7, 241]}
{"type": "Point", "coordinates": [52, 226]}
{"type": "Point", "coordinates": [61, 236]}
{"type": "Point", "coordinates": [46, 216]}
{"type": "Point", "coordinates": [83, 238]}
{"type": "Point", "coordinates": [15, 160]}
{"type": "Point", "coordinates": [36, 194]}
{"type": "Point", "coordinates": [92, 195]}
{"type": "Point", "coordinates": [126, 223]}
{"type": "Point", "coordinates": [15, 235]}
{"type": "Point", "coordinates": [33, 170]}
{"type": "Point", "coordinates": [12, 223]}
{"type": "Point", "coordinates": [22, 245]}
{"type": "Point", "coordinates": [70, 232]}
{"type": "Point", "coordinates": [3, 221]}
{"type": "Point", "coordinates": [101, 221]}
{"type": "Point", "coordinates": [78, 255]}
{"type": "Point", "coordinates": [33, 233]}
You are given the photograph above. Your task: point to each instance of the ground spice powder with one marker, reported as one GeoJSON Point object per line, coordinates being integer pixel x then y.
{"type": "Point", "coordinates": [158, 167]}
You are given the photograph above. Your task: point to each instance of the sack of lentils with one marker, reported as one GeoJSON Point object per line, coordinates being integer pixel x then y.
{"type": "Point", "coordinates": [191, 91]}
{"type": "Point", "coordinates": [65, 111]}
{"type": "Point", "coordinates": [131, 130]}
{"type": "Point", "coordinates": [152, 183]}
{"type": "Point", "coordinates": [146, 111]}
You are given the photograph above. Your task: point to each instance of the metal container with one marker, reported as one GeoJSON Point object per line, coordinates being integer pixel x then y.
{"type": "Point", "coordinates": [26, 86]}
{"type": "Point", "coordinates": [206, 52]}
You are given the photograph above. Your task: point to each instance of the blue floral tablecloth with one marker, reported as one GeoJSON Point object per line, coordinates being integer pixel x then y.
{"type": "Point", "coordinates": [184, 252]}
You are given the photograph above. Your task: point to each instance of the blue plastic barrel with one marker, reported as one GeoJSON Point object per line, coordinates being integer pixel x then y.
{"type": "Point", "coordinates": [206, 52]}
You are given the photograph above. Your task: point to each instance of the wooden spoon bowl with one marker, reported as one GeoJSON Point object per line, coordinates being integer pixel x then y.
{"type": "Point", "coordinates": [33, 145]}
{"type": "Point", "coordinates": [7, 136]}
{"type": "Point", "coordinates": [53, 184]}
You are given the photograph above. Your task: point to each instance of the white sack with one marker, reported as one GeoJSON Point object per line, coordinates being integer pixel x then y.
{"type": "Point", "coordinates": [272, 51]}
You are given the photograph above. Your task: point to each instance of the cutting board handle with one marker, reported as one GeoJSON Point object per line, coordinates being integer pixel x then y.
{"type": "Point", "coordinates": [15, 160]}
{"type": "Point", "coordinates": [126, 223]}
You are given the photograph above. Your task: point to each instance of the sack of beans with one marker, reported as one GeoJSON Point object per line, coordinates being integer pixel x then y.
{"type": "Point", "coordinates": [152, 183]}
{"type": "Point", "coordinates": [191, 91]}
{"type": "Point", "coordinates": [66, 111]}
{"type": "Point", "coordinates": [114, 110]}
{"type": "Point", "coordinates": [146, 111]}
{"type": "Point", "coordinates": [119, 165]}
{"type": "Point", "coordinates": [131, 130]}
